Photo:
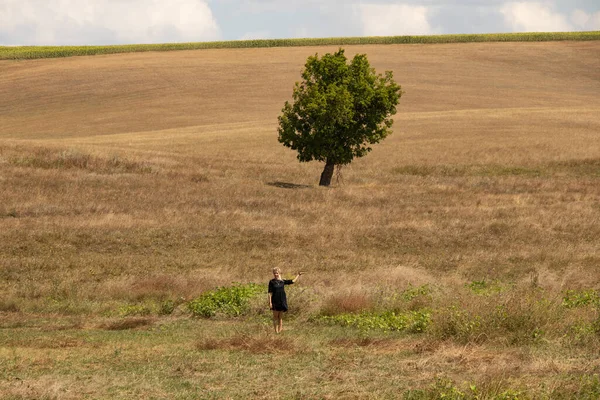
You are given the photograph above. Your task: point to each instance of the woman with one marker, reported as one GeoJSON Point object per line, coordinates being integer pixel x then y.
{"type": "Point", "coordinates": [277, 298]}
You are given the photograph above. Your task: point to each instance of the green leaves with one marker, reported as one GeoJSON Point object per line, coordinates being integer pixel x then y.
{"type": "Point", "coordinates": [231, 301]}
{"type": "Point", "coordinates": [581, 298]}
{"type": "Point", "coordinates": [339, 109]}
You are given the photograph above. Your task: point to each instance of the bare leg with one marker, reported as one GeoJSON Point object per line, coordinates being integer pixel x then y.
{"type": "Point", "coordinates": [276, 321]}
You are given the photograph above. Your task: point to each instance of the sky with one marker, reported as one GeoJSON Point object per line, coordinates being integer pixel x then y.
{"type": "Point", "coordinates": [106, 22]}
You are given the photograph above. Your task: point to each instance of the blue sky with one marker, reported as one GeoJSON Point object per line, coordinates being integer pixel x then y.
{"type": "Point", "coordinates": [95, 22]}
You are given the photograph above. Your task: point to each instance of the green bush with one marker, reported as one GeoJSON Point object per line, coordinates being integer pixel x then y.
{"type": "Point", "coordinates": [230, 301]}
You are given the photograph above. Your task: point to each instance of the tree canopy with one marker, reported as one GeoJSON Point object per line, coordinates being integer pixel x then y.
{"type": "Point", "coordinates": [338, 110]}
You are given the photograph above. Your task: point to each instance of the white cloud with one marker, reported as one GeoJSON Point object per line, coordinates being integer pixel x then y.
{"type": "Point", "coordinates": [580, 18]}
{"type": "Point", "coordinates": [393, 19]}
{"type": "Point", "coordinates": [268, 6]}
{"type": "Point", "coordinates": [56, 22]}
{"type": "Point", "coordinates": [534, 17]}
{"type": "Point", "coordinates": [585, 21]}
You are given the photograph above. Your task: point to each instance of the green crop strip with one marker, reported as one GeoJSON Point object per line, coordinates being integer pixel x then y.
{"type": "Point", "coordinates": [34, 52]}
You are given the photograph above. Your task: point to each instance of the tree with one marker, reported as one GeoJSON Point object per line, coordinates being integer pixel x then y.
{"type": "Point", "coordinates": [338, 111]}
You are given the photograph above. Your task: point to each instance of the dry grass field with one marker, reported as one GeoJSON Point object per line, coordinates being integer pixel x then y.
{"type": "Point", "coordinates": [133, 183]}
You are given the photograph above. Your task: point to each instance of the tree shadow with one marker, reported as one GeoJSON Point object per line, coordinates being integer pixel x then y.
{"type": "Point", "coordinates": [287, 185]}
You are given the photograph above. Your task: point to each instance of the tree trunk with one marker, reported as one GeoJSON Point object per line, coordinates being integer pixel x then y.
{"type": "Point", "coordinates": [327, 173]}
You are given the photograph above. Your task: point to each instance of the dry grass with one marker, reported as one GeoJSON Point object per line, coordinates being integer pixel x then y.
{"type": "Point", "coordinates": [347, 302]}
{"type": "Point", "coordinates": [261, 342]}
{"type": "Point", "coordinates": [127, 323]}
{"type": "Point", "coordinates": [125, 191]}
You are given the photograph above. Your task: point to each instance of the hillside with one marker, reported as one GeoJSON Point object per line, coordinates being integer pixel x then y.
{"type": "Point", "coordinates": [87, 96]}
{"type": "Point", "coordinates": [459, 257]}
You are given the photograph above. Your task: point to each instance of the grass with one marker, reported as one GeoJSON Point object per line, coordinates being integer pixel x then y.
{"type": "Point", "coordinates": [175, 357]}
{"type": "Point", "coordinates": [73, 159]}
{"type": "Point", "coordinates": [33, 52]}
{"type": "Point", "coordinates": [119, 274]}
{"type": "Point", "coordinates": [458, 260]}
{"type": "Point", "coordinates": [554, 169]}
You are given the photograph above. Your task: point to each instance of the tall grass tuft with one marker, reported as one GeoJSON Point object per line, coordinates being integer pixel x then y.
{"type": "Point", "coordinates": [517, 317]}
{"type": "Point", "coordinates": [44, 158]}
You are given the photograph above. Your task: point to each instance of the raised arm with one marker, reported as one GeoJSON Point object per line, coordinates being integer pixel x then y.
{"type": "Point", "coordinates": [297, 276]}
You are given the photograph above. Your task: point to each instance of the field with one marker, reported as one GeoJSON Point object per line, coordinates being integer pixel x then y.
{"type": "Point", "coordinates": [34, 52]}
{"type": "Point", "coordinates": [458, 260]}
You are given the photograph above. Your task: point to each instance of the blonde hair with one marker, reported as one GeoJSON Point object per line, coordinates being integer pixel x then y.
{"type": "Point", "coordinates": [277, 269]}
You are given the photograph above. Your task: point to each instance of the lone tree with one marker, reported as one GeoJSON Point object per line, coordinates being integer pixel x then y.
{"type": "Point", "coordinates": [339, 109]}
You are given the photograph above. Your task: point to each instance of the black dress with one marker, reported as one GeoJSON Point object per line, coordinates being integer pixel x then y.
{"type": "Point", "coordinates": [278, 298]}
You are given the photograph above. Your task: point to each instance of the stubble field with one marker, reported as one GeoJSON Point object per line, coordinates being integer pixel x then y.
{"type": "Point", "coordinates": [460, 258]}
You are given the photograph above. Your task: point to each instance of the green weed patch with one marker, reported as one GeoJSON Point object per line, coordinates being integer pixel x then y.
{"type": "Point", "coordinates": [230, 301]}
{"type": "Point", "coordinates": [581, 298]}
{"type": "Point", "coordinates": [445, 388]}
